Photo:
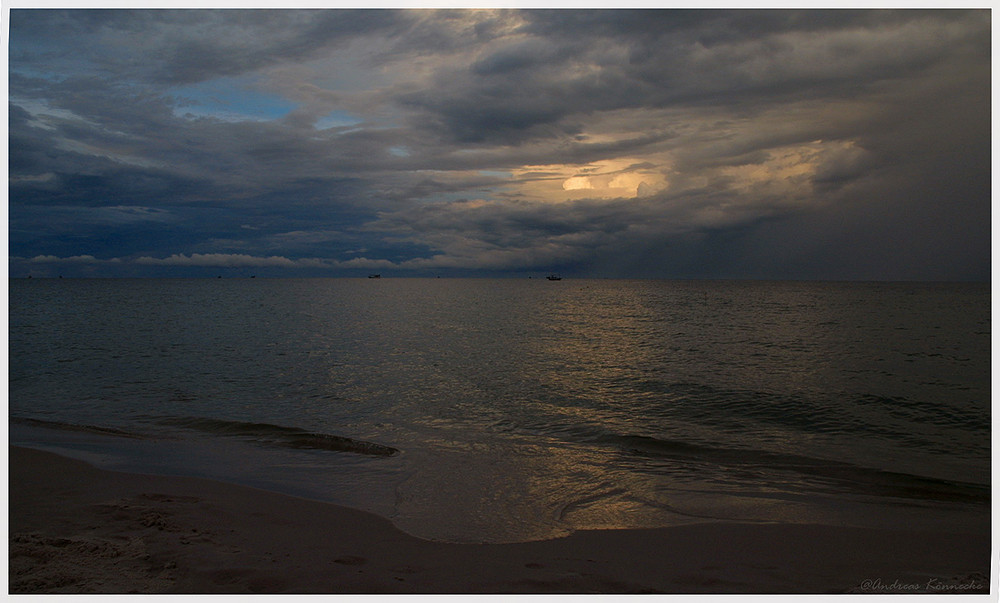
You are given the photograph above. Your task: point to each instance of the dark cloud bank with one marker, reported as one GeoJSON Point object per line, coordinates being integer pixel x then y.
{"type": "Point", "coordinates": [664, 143]}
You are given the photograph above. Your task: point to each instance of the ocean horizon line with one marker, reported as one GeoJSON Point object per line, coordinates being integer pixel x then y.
{"type": "Point", "coordinates": [513, 278]}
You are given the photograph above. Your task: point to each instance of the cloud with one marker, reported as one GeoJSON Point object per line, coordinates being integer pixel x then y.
{"type": "Point", "coordinates": [532, 87]}
{"type": "Point", "coordinates": [76, 259]}
{"type": "Point", "coordinates": [228, 260]}
{"type": "Point", "coordinates": [488, 139]}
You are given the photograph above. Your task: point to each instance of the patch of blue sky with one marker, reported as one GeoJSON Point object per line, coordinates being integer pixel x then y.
{"type": "Point", "coordinates": [229, 99]}
{"type": "Point", "coordinates": [337, 119]}
{"type": "Point", "coordinates": [495, 174]}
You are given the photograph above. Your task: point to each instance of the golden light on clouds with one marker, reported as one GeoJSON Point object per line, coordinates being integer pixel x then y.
{"type": "Point", "coordinates": [792, 169]}
{"type": "Point", "coordinates": [783, 172]}
{"type": "Point", "coordinates": [611, 179]}
{"type": "Point", "coordinates": [577, 183]}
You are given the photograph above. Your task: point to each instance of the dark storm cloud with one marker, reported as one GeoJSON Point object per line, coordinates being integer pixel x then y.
{"type": "Point", "coordinates": [180, 46]}
{"type": "Point", "coordinates": [612, 60]}
{"type": "Point", "coordinates": [715, 143]}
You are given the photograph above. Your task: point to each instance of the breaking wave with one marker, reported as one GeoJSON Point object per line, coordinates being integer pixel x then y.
{"type": "Point", "coordinates": [839, 474]}
{"type": "Point", "coordinates": [279, 435]}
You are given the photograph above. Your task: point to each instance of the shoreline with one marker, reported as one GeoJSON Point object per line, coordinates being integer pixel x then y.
{"type": "Point", "coordinates": [74, 528]}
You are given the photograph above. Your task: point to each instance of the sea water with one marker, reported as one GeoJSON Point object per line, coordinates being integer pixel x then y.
{"type": "Point", "coordinates": [501, 410]}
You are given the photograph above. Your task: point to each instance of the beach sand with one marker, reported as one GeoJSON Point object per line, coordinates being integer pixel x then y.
{"type": "Point", "coordinates": [77, 529]}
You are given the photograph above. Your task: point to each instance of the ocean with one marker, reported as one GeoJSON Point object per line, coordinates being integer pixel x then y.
{"type": "Point", "coordinates": [506, 410]}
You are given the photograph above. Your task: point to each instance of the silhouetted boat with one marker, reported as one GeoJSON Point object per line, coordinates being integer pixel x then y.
{"type": "Point", "coordinates": [554, 277]}
{"type": "Point", "coordinates": [374, 276]}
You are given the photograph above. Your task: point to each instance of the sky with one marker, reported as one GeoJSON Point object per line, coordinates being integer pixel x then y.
{"type": "Point", "coordinates": [730, 144]}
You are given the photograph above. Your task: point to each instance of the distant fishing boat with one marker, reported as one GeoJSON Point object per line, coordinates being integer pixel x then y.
{"type": "Point", "coordinates": [374, 276]}
{"type": "Point", "coordinates": [554, 277]}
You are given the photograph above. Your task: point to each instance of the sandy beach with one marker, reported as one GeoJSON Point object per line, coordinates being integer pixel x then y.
{"type": "Point", "coordinates": [77, 529]}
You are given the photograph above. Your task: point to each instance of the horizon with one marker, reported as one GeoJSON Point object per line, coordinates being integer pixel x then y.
{"type": "Point", "coordinates": [505, 276]}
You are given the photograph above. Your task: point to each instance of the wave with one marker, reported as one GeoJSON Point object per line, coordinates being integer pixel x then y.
{"type": "Point", "coordinates": [279, 435]}
{"type": "Point", "coordinates": [843, 475]}
{"type": "Point", "coordinates": [112, 431]}
{"type": "Point", "coordinates": [833, 413]}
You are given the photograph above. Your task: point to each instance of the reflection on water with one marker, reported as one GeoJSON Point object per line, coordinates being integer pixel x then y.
{"type": "Point", "coordinates": [525, 409]}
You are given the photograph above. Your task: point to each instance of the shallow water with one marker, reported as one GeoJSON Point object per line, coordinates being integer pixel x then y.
{"type": "Point", "coordinates": [501, 410]}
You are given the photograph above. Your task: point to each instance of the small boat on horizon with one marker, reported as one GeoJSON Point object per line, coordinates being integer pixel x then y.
{"type": "Point", "coordinates": [374, 276]}
{"type": "Point", "coordinates": [554, 277]}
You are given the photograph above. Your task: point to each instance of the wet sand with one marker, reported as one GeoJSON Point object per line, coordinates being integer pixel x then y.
{"type": "Point", "coordinates": [77, 529]}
